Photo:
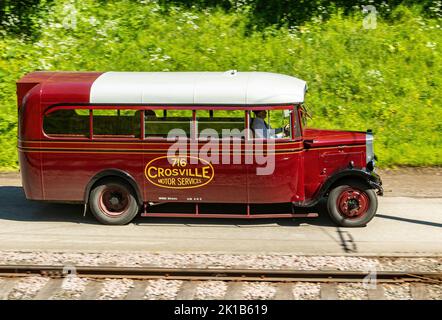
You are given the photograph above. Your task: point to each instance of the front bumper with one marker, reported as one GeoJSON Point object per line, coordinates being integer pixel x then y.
{"type": "Point", "coordinates": [376, 183]}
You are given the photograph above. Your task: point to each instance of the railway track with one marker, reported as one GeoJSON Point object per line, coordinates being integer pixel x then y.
{"type": "Point", "coordinates": [270, 275]}
{"type": "Point", "coordinates": [187, 282]}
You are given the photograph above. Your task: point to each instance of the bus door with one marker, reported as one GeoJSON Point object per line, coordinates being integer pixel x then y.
{"type": "Point", "coordinates": [273, 176]}
{"type": "Point", "coordinates": [221, 140]}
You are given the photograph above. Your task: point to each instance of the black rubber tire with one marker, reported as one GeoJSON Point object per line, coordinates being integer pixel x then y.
{"type": "Point", "coordinates": [126, 216]}
{"type": "Point", "coordinates": [343, 221]}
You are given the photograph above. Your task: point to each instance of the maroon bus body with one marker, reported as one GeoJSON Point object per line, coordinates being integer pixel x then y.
{"type": "Point", "coordinates": [63, 169]}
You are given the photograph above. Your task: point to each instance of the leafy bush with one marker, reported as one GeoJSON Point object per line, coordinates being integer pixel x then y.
{"type": "Point", "coordinates": [387, 79]}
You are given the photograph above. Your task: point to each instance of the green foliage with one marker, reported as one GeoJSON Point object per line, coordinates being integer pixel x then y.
{"type": "Point", "coordinates": [22, 17]}
{"type": "Point", "coordinates": [388, 79]}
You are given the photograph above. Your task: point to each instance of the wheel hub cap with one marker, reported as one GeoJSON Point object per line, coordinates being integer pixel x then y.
{"type": "Point", "coordinates": [353, 203]}
{"type": "Point", "coordinates": [114, 201]}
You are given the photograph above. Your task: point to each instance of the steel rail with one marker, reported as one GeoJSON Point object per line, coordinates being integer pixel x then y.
{"type": "Point", "coordinates": [272, 275]}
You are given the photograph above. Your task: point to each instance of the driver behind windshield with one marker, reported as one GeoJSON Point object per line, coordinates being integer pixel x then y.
{"type": "Point", "coordinates": [263, 130]}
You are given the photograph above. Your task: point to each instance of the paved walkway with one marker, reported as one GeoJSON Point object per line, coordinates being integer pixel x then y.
{"type": "Point", "coordinates": [404, 225]}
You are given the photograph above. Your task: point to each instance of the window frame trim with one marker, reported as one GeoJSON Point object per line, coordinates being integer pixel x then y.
{"type": "Point", "coordinates": [143, 107]}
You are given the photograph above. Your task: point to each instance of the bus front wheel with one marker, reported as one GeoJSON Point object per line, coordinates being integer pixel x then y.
{"type": "Point", "coordinates": [113, 202]}
{"type": "Point", "coordinates": [352, 204]}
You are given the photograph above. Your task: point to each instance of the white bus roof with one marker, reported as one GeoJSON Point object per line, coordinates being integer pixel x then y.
{"type": "Point", "coordinates": [221, 88]}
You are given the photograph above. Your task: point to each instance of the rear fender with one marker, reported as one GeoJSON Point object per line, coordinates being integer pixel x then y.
{"type": "Point", "coordinates": [113, 173]}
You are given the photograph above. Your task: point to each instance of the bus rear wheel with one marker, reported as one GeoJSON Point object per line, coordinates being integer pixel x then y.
{"type": "Point", "coordinates": [352, 204]}
{"type": "Point", "coordinates": [113, 202]}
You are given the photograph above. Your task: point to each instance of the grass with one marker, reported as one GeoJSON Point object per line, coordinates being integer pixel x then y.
{"type": "Point", "coordinates": [388, 79]}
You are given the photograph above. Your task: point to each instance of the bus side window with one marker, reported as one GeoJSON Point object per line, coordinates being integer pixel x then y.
{"type": "Point", "coordinates": [159, 123]}
{"type": "Point", "coordinates": [67, 122]}
{"type": "Point", "coordinates": [220, 122]}
{"type": "Point", "coordinates": [113, 122]}
{"type": "Point", "coordinates": [271, 124]}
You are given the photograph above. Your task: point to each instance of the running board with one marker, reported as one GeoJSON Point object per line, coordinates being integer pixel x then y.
{"type": "Point", "coordinates": [234, 216]}
{"type": "Point", "coordinates": [247, 215]}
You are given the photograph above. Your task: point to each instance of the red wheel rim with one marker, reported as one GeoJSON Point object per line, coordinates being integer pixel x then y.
{"type": "Point", "coordinates": [353, 203]}
{"type": "Point", "coordinates": [114, 201]}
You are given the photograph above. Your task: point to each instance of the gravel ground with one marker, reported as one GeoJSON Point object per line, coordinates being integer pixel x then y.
{"type": "Point", "coordinates": [352, 291]}
{"type": "Point", "coordinates": [71, 288]}
{"type": "Point", "coordinates": [417, 264]}
{"type": "Point", "coordinates": [207, 260]}
{"type": "Point", "coordinates": [412, 182]}
{"type": "Point", "coordinates": [258, 290]}
{"type": "Point", "coordinates": [435, 292]}
{"type": "Point", "coordinates": [27, 287]}
{"type": "Point", "coordinates": [306, 291]}
{"type": "Point", "coordinates": [115, 289]}
{"type": "Point", "coordinates": [211, 290]}
{"type": "Point", "coordinates": [397, 291]}
{"type": "Point", "coordinates": [162, 289]}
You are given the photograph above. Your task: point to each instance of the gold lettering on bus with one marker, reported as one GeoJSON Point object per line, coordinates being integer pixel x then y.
{"type": "Point", "coordinates": [178, 173]}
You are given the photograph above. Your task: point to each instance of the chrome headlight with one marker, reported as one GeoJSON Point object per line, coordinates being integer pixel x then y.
{"type": "Point", "coordinates": [369, 151]}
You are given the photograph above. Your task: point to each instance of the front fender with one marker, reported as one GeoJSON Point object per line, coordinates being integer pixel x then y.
{"type": "Point", "coordinates": [371, 178]}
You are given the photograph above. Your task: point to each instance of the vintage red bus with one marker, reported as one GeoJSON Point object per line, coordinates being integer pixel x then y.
{"type": "Point", "coordinates": [104, 140]}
